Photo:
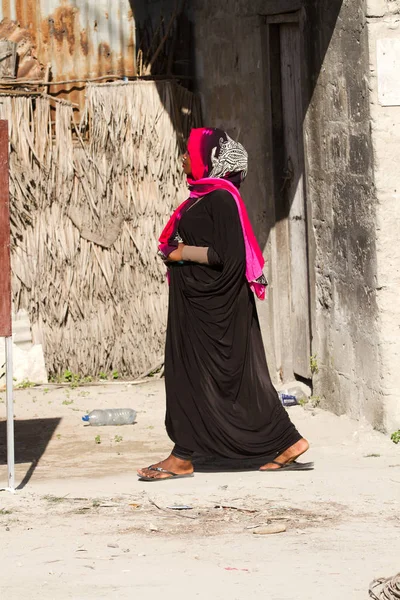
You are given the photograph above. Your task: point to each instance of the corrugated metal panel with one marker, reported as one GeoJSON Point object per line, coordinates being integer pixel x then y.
{"type": "Point", "coordinates": [28, 66]}
{"type": "Point", "coordinates": [79, 38]}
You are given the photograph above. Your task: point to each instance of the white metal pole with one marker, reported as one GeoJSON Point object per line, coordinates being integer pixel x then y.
{"type": "Point", "coordinates": [10, 416]}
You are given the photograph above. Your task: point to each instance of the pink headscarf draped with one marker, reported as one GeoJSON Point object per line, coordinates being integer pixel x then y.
{"type": "Point", "coordinates": [212, 152]}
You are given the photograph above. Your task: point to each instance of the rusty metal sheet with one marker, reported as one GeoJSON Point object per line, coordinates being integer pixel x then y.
{"type": "Point", "coordinates": [28, 65]}
{"type": "Point", "coordinates": [5, 264]}
{"type": "Point", "coordinates": [78, 38]}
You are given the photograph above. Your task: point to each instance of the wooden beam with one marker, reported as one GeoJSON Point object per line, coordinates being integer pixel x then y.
{"type": "Point", "coordinates": [8, 59]}
{"type": "Point", "coordinates": [276, 7]}
{"type": "Point", "coordinates": [283, 18]}
{"type": "Point", "coordinates": [5, 262]}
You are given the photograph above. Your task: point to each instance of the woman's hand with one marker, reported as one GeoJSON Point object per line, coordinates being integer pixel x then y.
{"type": "Point", "coordinates": [176, 255]}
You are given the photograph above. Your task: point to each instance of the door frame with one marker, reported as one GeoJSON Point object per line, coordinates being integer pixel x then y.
{"type": "Point", "coordinates": [277, 15]}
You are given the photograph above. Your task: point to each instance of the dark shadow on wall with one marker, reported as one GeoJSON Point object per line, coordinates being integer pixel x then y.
{"type": "Point", "coordinates": [318, 21]}
{"type": "Point", "coordinates": [165, 49]}
{"type": "Point", "coordinates": [31, 437]}
{"type": "Point", "coordinates": [164, 35]}
{"type": "Point", "coordinates": [320, 18]}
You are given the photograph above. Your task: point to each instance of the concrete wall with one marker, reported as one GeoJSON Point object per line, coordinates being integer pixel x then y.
{"type": "Point", "coordinates": [342, 197]}
{"type": "Point", "coordinates": [383, 23]}
{"type": "Point", "coordinates": [340, 180]}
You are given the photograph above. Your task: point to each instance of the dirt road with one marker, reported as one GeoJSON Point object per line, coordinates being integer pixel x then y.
{"type": "Point", "coordinates": [82, 526]}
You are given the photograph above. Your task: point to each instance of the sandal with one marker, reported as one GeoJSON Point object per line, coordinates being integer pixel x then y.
{"type": "Point", "coordinates": [292, 466]}
{"type": "Point", "coordinates": [159, 470]}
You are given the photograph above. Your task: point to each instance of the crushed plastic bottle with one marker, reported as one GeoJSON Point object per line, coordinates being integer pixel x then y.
{"type": "Point", "coordinates": [287, 399]}
{"type": "Point", "coordinates": [299, 392]}
{"type": "Point", "coordinates": [292, 396]}
{"type": "Point", "coordinates": [110, 416]}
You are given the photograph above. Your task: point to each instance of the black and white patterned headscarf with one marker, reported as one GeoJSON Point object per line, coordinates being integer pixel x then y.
{"type": "Point", "coordinates": [213, 153]}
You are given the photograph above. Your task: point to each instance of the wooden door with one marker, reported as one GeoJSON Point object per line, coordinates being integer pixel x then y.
{"type": "Point", "coordinates": [292, 270]}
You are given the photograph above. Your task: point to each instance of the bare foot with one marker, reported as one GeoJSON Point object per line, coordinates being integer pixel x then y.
{"type": "Point", "coordinates": [172, 464]}
{"type": "Point", "coordinates": [289, 455]}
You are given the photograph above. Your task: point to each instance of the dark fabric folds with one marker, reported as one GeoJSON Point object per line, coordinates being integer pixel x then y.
{"type": "Point", "coordinates": [220, 398]}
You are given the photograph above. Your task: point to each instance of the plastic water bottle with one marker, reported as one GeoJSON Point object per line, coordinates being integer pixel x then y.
{"type": "Point", "coordinates": [292, 396]}
{"type": "Point", "coordinates": [110, 416]}
{"type": "Point", "coordinates": [287, 399]}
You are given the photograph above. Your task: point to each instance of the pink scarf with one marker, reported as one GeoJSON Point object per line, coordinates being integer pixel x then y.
{"type": "Point", "coordinates": [202, 186]}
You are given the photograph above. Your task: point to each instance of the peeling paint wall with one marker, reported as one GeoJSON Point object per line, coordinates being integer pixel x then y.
{"type": "Point", "coordinates": [79, 38]}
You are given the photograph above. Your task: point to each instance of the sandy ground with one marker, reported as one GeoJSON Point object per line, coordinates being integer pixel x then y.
{"type": "Point", "coordinates": [82, 526]}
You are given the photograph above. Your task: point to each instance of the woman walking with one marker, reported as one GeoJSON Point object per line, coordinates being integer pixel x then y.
{"type": "Point", "coordinates": [220, 399]}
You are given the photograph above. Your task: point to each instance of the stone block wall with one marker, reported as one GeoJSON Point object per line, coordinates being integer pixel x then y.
{"type": "Point", "coordinates": [347, 302]}
{"type": "Point", "coordinates": [383, 26]}
{"type": "Point", "coordinates": [343, 205]}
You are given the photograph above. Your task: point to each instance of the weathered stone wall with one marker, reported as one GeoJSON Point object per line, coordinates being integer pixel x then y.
{"type": "Point", "coordinates": [340, 188]}
{"type": "Point", "coordinates": [342, 197]}
{"type": "Point", "coordinates": [230, 81]}
{"type": "Point", "coordinates": [383, 20]}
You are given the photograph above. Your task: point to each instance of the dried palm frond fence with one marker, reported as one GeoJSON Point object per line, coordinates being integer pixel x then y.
{"type": "Point", "coordinates": [86, 216]}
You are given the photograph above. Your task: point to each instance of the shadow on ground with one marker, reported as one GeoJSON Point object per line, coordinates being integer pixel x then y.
{"type": "Point", "coordinates": [32, 437]}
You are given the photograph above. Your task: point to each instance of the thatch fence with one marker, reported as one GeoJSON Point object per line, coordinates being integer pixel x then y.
{"type": "Point", "coordinates": [88, 202]}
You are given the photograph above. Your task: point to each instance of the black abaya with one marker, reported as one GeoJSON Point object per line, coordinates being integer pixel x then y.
{"type": "Point", "coordinates": [220, 398]}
